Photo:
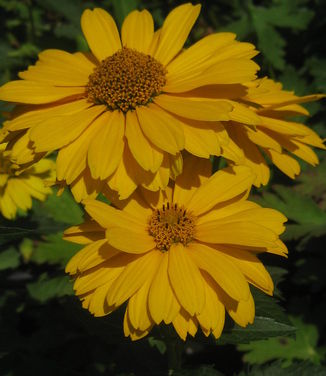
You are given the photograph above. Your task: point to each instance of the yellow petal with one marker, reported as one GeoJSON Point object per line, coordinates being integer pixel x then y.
{"type": "Point", "coordinates": [36, 92]}
{"type": "Point", "coordinates": [283, 127]}
{"type": "Point", "coordinates": [222, 186]}
{"type": "Point", "coordinates": [59, 68]}
{"type": "Point", "coordinates": [108, 216]}
{"type": "Point", "coordinates": [175, 31]}
{"type": "Point", "coordinates": [162, 129]}
{"type": "Point", "coordinates": [196, 108]}
{"type": "Point", "coordinates": [197, 57]}
{"type": "Point", "coordinates": [195, 173]}
{"type": "Point", "coordinates": [251, 267]}
{"type": "Point", "coordinates": [105, 149]}
{"type": "Point", "coordinates": [225, 273]}
{"type": "Point", "coordinates": [84, 233]}
{"type": "Point", "coordinates": [133, 277]}
{"type": "Point", "coordinates": [101, 33]}
{"type": "Point", "coordinates": [186, 279]}
{"type": "Point", "coordinates": [162, 303]}
{"type": "Point", "coordinates": [213, 314]}
{"type": "Point", "coordinates": [19, 194]}
{"type": "Point", "coordinates": [138, 308]}
{"type": "Point", "coordinates": [284, 162]}
{"type": "Point", "coordinates": [72, 158]}
{"type": "Point", "coordinates": [86, 187]}
{"type": "Point", "coordinates": [184, 324]}
{"type": "Point", "coordinates": [232, 71]}
{"type": "Point", "coordinates": [238, 233]}
{"type": "Point", "coordinates": [7, 206]}
{"type": "Point", "coordinates": [138, 30]}
{"type": "Point", "coordinates": [58, 131]}
{"type": "Point", "coordinates": [37, 114]}
{"type": "Point", "coordinates": [201, 139]}
{"type": "Point", "coordinates": [130, 240]}
{"type": "Point", "coordinates": [146, 154]}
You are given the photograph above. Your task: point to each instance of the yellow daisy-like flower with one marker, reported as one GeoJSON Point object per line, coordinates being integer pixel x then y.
{"type": "Point", "coordinates": [120, 115]}
{"type": "Point", "coordinates": [182, 256]}
{"type": "Point", "coordinates": [18, 187]}
{"type": "Point", "coordinates": [275, 134]}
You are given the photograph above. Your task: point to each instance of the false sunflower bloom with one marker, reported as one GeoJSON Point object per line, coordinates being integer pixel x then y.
{"type": "Point", "coordinates": [120, 115]}
{"type": "Point", "coordinates": [18, 187]}
{"type": "Point", "coordinates": [181, 256]}
{"type": "Point", "coordinates": [276, 135]}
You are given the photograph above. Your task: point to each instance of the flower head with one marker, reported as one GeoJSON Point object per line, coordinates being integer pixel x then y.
{"type": "Point", "coordinates": [121, 114]}
{"type": "Point", "coordinates": [275, 134]}
{"type": "Point", "coordinates": [18, 187]}
{"type": "Point", "coordinates": [182, 256]}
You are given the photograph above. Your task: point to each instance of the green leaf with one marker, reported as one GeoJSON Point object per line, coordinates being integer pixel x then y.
{"type": "Point", "coordinates": [9, 259]}
{"type": "Point", "coordinates": [304, 347]}
{"type": "Point", "coordinates": [295, 369]}
{"type": "Point", "coordinates": [48, 288]}
{"type": "Point", "coordinates": [54, 250]}
{"type": "Point", "coordinates": [159, 344]}
{"type": "Point", "coordinates": [205, 370]}
{"type": "Point", "coordinates": [63, 209]}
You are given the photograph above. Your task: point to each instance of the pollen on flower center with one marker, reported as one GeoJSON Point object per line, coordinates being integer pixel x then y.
{"type": "Point", "coordinates": [171, 224]}
{"type": "Point", "coordinates": [125, 80]}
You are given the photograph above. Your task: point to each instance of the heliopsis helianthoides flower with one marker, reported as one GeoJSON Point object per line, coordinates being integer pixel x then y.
{"type": "Point", "coordinates": [182, 256]}
{"type": "Point", "coordinates": [120, 115]}
{"type": "Point", "coordinates": [276, 135]}
{"type": "Point", "coordinates": [18, 187]}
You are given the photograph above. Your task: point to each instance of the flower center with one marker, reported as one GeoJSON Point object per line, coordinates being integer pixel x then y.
{"type": "Point", "coordinates": [125, 80]}
{"type": "Point", "coordinates": [171, 224]}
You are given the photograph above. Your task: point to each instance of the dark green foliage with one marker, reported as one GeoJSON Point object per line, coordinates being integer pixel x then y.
{"type": "Point", "coordinates": [44, 330]}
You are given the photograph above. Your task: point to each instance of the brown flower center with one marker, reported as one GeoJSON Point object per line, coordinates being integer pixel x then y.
{"type": "Point", "coordinates": [171, 224]}
{"type": "Point", "coordinates": [125, 80]}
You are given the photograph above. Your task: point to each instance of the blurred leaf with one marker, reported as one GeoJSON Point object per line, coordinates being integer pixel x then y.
{"type": "Point", "coordinates": [159, 344]}
{"type": "Point", "coordinates": [9, 259]}
{"type": "Point", "coordinates": [265, 20]}
{"type": "Point", "coordinates": [63, 209]}
{"type": "Point", "coordinates": [296, 369]}
{"type": "Point", "coordinates": [204, 370]}
{"type": "Point", "coordinates": [304, 347]}
{"type": "Point", "coordinates": [54, 250]}
{"type": "Point", "coordinates": [317, 68]}
{"type": "Point", "coordinates": [48, 288]}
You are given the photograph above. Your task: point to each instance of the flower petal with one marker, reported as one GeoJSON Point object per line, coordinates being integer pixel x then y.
{"type": "Point", "coordinates": [106, 147]}
{"type": "Point", "coordinates": [33, 92]}
{"type": "Point", "coordinates": [147, 155]}
{"type": "Point", "coordinates": [138, 30]}
{"type": "Point", "coordinates": [133, 277]}
{"type": "Point", "coordinates": [186, 279]}
{"type": "Point", "coordinates": [224, 272]}
{"type": "Point", "coordinates": [162, 303]}
{"type": "Point", "coordinates": [175, 31]}
{"type": "Point", "coordinates": [222, 186]}
{"type": "Point", "coordinates": [100, 32]}
{"type": "Point", "coordinates": [196, 108]}
{"type": "Point", "coordinates": [164, 130]}
{"type": "Point", "coordinates": [59, 131]}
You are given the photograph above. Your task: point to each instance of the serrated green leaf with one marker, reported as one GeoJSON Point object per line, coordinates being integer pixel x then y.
{"type": "Point", "coordinates": [9, 259]}
{"type": "Point", "coordinates": [48, 288]}
{"type": "Point", "coordinates": [303, 347]}
{"type": "Point", "coordinates": [54, 250]}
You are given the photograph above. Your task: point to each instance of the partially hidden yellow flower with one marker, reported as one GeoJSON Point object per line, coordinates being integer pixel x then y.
{"type": "Point", "coordinates": [276, 135]}
{"type": "Point", "coordinates": [183, 256]}
{"type": "Point", "coordinates": [120, 115]}
{"type": "Point", "coordinates": [18, 187]}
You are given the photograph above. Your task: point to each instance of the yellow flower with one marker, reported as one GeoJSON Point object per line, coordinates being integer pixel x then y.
{"type": "Point", "coordinates": [181, 256]}
{"type": "Point", "coordinates": [275, 135]}
{"type": "Point", "coordinates": [120, 115]}
{"type": "Point", "coordinates": [18, 187]}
